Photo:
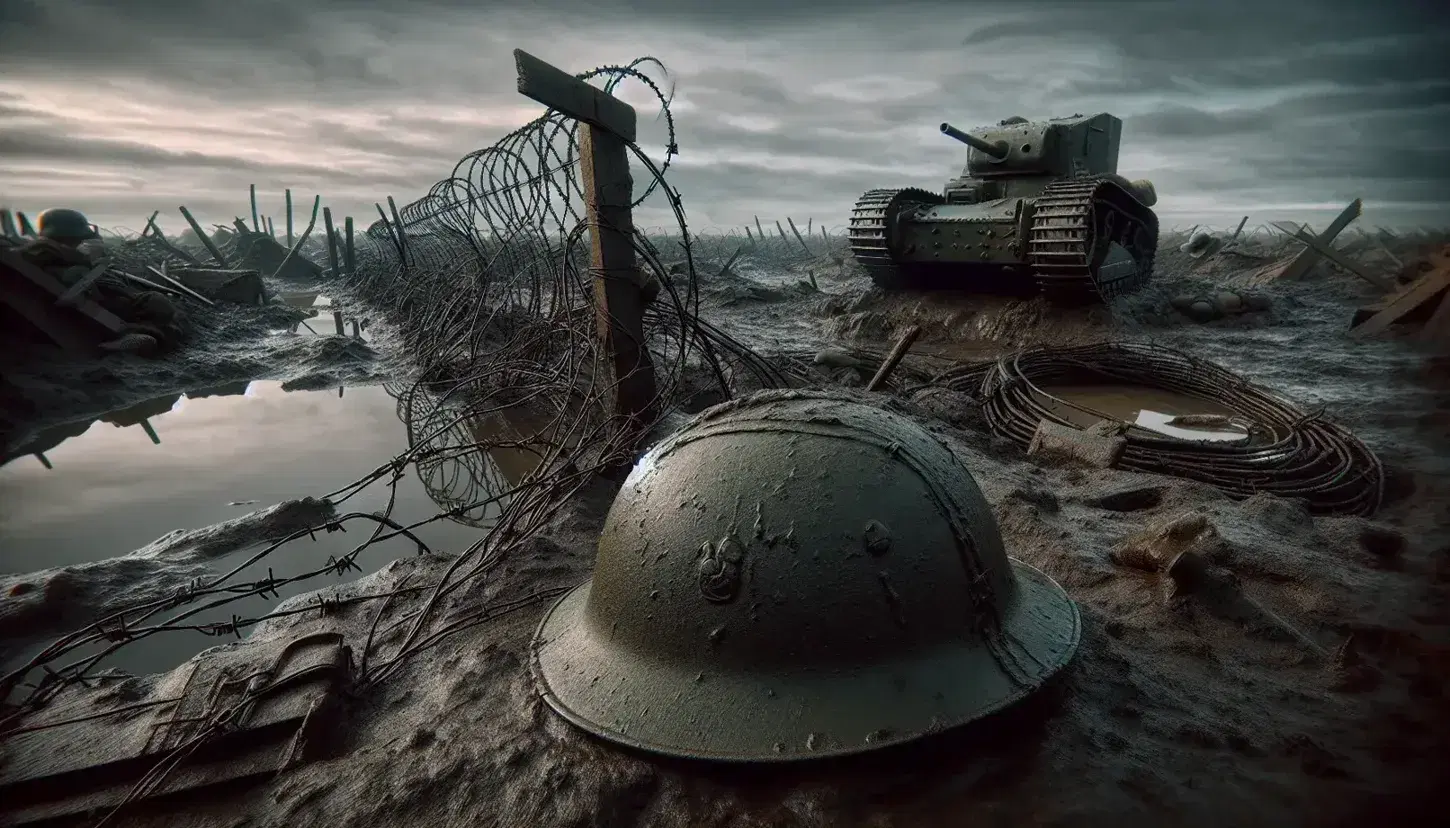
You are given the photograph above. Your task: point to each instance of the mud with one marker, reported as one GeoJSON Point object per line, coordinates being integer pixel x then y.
{"type": "Point", "coordinates": [1182, 707]}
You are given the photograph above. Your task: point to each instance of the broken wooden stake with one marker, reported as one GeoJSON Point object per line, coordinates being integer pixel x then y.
{"type": "Point", "coordinates": [292, 251]}
{"type": "Point", "coordinates": [798, 238]}
{"type": "Point", "coordinates": [758, 228]}
{"type": "Point", "coordinates": [165, 277]}
{"type": "Point", "coordinates": [1240, 229]}
{"type": "Point", "coordinates": [337, 321]}
{"type": "Point", "coordinates": [205, 239]}
{"type": "Point", "coordinates": [607, 128]}
{"type": "Point", "coordinates": [150, 432]}
{"type": "Point", "coordinates": [350, 252]}
{"type": "Point", "coordinates": [256, 225]}
{"type": "Point", "coordinates": [897, 354]}
{"type": "Point", "coordinates": [1333, 255]}
{"type": "Point", "coordinates": [1309, 255]}
{"type": "Point", "coordinates": [750, 237]}
{"type": "Point", "coordinates": [25, 228]}
{"type": "Point", "coordinates": [398, 223]}
{"type": "Point", "coordinates": [331, 240]}
{"type": "Point", "coordinates": [392, 236]}
{"type": "Point", "coordinates": [289, 218]}
{"type": "Point", "coordinates": [7, 224]}
{"type": "Point", "coordinates": [151, 224]}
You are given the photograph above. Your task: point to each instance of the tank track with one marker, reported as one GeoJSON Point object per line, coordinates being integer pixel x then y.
{"type": "Point", "coordinates": [870, 234]}
{"type": "Point", "coordinates": [1074, 220]}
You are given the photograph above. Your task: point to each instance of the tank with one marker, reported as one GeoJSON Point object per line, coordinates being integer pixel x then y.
{"type": "Point", "coordinates": [1039, 206]}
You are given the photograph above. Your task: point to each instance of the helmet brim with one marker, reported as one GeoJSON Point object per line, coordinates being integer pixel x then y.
{"type": "Point", "coordinates": [727, 715]}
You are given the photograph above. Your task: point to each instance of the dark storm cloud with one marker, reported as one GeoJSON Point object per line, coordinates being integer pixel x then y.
{"type": "Point", "coordinates": [801, 105]}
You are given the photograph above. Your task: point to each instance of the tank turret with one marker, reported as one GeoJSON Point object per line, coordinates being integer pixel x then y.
{"type": "Point", "coordinates": [996, 149]}
{"type": "Point", "coordinates": [1038, 202]}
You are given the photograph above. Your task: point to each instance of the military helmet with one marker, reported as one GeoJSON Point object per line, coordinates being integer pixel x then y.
{"type": "Point", "coordinates": [795, 575]}
{"type": "Point", "coordinates": [64, 225]}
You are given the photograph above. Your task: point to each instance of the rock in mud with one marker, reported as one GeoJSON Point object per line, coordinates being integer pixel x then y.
{"type": "Point", "coordinates": [833, 358]}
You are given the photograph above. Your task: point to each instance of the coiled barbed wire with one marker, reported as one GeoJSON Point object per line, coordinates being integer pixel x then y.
{"type": "Point", "coordinates": [1296, 454]}
{"type": "Point", "coordinates": [486, 284]}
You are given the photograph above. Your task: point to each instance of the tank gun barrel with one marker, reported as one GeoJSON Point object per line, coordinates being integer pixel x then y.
{"type": "Point", "coordinates": [996, 149]}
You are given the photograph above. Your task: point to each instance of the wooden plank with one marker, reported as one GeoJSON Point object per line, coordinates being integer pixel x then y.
{"type": "Point", "coordinates": [1308, 256]}
{"type": "Point", "coordinates": [37, 306]}
{"type": "Point", "coordinates": [1427, 288]}
{"type": "Point", "coordinates": [82, 283]}
{"type": "Point", "coordinates": [1333, 255]}
{"type": "Point", "coordinates": [1437, 327]}
{"type": "Point", "coordinates": [97, 314]}
{"type": "Point", "coordinates": [560, 91]}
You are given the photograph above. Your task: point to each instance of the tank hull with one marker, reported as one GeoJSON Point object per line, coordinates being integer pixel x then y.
{"type": "Point", "coordinates": [1079, 240]}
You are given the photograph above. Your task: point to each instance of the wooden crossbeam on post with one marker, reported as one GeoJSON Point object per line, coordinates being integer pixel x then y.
{"type": "Point", "coordinates": [607, 128]}
{"type": "Point", "coordinates": [1309, 256]}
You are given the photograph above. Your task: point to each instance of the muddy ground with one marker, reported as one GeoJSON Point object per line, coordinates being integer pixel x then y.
{"type": "Point", "coordinates": [1170, 714]}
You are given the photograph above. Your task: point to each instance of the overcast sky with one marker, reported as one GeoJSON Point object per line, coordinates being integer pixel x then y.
{"type": "Point", "coordinates": [1284, 109]}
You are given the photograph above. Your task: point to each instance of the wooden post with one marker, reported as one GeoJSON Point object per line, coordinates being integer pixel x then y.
{"type": "Point", "coordinates": [331, 243]}
{"type": "Point", "coordinates": [759, 229]}
{"type": "Point", "coordinates": [289, 218]}
{"type": "Point", "coordinates": [150, 432]}
{"type": "Point", "coordinates": [607, 128]}
{"type": "Point", "coordinates": [1240, 228]}
{"type": "Point", "coordinates": [798, 238]}
{"type": "Point", "coordinates": [398, 223]}
{"type": "Point", "coordinates": [7, 224]}
{"type": "Point", "coordinates": [1308, 256]}
{"type": "Point", "coordinates": [151, 224]}
{"type": "Point", "coordinates": [337, 321]}
{"type": "Point", "coordinates": [350, 252]}
{"type": "Point", "coordinates": [750, 237]}
{"type": "Point", "coordinates": [25, 228]}
{"type": "Point", "coordinates": [256, 225]}
{"type": "Point", "coordinates": [205, 239]}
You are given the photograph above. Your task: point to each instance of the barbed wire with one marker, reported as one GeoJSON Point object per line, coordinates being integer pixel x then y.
{"type": "Point", "coordinates": [486, 282]}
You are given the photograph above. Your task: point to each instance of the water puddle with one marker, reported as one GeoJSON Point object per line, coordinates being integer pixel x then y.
{"type": "Point", "coordinates": [94, 491]}
{"type": "Point", "coordinates": [1163, 412]}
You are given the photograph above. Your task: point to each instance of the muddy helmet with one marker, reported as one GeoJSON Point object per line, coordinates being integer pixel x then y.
{"type": "Point", "coordinates": [64, 225]}
{"type": "Point", "coordinates": [795, 575]}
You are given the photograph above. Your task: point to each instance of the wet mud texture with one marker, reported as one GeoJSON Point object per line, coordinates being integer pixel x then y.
{"type": "Point", "coordinates": [1177, 710]}
{"type": "Point", "coordinates": [1298, 682]}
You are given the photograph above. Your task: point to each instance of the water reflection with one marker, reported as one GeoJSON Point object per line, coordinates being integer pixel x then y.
{"type": "Point", "coordinates": [94, 491]}
{"type": "Point", "coordinates": [1165, 413]}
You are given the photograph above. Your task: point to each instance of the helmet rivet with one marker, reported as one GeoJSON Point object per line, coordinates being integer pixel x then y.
{"type": "Point", "coordinates": [878, 538]}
